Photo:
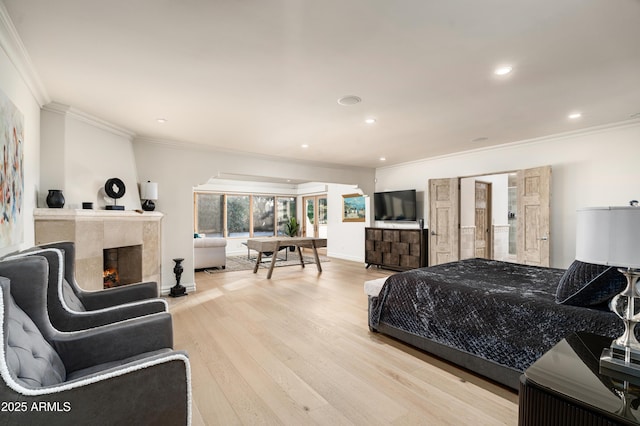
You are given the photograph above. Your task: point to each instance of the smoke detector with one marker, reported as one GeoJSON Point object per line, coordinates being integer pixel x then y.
{"type": "Point", "coordinates": [349, 100]}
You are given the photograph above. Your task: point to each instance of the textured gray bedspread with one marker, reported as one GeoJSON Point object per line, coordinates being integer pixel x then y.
{"type": "Point", "coordinates": [502, 312]}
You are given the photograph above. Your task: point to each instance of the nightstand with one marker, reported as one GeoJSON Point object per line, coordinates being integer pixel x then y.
{"type": "Point", "coordinates": [564, 387]}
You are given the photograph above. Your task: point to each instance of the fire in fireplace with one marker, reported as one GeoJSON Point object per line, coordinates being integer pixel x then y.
{"type": "Point", "coordinates": [122, 265]}
{"type": "Point", "coordinates": [111, 278]}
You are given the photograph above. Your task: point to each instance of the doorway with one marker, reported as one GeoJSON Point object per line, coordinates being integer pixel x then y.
{"type": "Point", "coordinates": [483, 216]}
{"type": "Point", "coordinates": [315, 216]}
{"type": "Point", "coordinates": [525, 208]}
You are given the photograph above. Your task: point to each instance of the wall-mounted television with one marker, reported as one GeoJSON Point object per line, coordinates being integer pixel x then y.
{"type": "Point", "coordinates": [395, 205]}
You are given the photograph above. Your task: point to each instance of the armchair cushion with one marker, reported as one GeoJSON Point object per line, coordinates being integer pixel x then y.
{"type": "Point", "coordinates": [145, 292]}
{"type": "Point", "coordinates": [70, 298]}
{"type": "Point", "coordinates": [32, 361]}
{"type": "Point", "coordinates": [94, 370]}
{"type": "Point", "coordinates": [81, 349]}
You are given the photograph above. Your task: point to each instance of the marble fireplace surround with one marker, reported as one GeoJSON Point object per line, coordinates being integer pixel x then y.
{"type": "Point", "coordinates": [96, 230]}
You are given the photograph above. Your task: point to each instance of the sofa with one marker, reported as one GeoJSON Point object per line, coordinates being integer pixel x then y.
{"type": "Point", "coordinates": [209, 252]}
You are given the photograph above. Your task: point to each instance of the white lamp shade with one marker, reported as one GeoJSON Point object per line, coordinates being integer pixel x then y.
{"type": "Point", "coordinates": [149, 191]}
{"type": "Point", "coordinates": [609, 236]}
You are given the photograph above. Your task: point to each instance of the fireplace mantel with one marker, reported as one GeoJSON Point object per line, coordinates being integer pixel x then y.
{"type": "Point", "coordinates": [82, 214]}
{"type": "Point", "coordinates": [92, 231]}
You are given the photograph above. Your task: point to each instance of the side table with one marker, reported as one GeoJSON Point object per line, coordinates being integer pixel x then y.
{"type": "Point", "coordinates": [565, 387]}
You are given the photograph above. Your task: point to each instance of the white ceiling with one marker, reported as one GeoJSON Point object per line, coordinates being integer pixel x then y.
{"type": "Point", "coordinates": [264, 76]}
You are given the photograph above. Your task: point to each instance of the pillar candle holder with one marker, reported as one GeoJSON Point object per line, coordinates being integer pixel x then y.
{"type": "Point", "coordinates": [178, 289]}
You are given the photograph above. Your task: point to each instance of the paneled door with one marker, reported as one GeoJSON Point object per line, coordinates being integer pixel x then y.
{"type": "Point", "coordinates": [483, 219]}
{"type": "Point", "coordinates": [315, 216]}
{"type": "Point", "coordinates": [444, 220]}
{"type": "Point", "coordinates": [533, 211]}
{"type": "Point", "coordinates": [534, 199]}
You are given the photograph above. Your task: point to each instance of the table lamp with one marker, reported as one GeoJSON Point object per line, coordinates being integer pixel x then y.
{"type": "Point", "coordinates": [611, 236]}
{"type": "Point", "coordinates": [149, 193]}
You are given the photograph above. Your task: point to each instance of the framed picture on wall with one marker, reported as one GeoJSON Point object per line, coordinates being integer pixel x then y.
{"type": "Point", "coordinates": [353, 208]}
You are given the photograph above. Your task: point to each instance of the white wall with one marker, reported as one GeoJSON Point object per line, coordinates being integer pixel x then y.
{"type": "Point", "coordinates": [23, 92]}
{"type": "Point", "coordinates": [591, 168]}
{"type": "Point", "coordinates": [345, 240]}
{"type": "Point", "coordinates": [80, 153]}
{"type": "Point", "coordinates": [178, 169]}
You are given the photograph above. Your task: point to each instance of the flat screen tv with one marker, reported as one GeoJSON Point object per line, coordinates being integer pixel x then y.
{"type": "Point", "coordinates": [395, 205]}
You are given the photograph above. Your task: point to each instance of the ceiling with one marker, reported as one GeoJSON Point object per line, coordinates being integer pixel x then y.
{"type": "Point", "coordinates": [264, 76]}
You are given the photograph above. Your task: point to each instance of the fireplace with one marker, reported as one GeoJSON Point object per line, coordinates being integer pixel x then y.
{"type": "Point", "coordinates": [122, 265]}
{"type": "Point", "coordinates": [95, 231]}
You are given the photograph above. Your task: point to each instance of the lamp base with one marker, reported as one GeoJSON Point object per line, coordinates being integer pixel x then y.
{"type": "Point", "coordinates": [620, 360]}
{"type": "Point", "coordinates": [148, 206]}
{"type": "Point", "coordinates": [623, 356]}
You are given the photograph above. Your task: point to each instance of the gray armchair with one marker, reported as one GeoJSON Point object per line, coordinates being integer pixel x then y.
{"type": "Point", "coordinates": [124, 373]}
{"type": "Point", "coordinates": [92, 300]}
{"type": "Point", "coordinates": [72, 309]}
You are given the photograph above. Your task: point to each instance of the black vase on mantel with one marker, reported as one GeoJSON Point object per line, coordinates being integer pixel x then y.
{"type": "Point", "coordinates": [55, 199]}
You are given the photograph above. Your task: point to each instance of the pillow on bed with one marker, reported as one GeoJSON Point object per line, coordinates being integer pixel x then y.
{"type": "Point", "coordinates": [586, 284]}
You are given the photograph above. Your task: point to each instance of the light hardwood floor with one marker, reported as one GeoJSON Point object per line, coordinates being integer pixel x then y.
{"type": "Point", "coordinates": [297, 350]}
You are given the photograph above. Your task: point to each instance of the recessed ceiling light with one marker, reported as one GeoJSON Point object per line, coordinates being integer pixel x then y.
{"type": "Point", "coordinates": [370, 120]}
{"type": "Point", "coordinates": [349, 100]}
{"type": "Point", "coordinates": [504, 70]}
{"type": "Point", "coordinates": [383, 159]}
{"type": "Point", "coordinates": [161, 120]}
{"type": "Point", "coordinates": [575, 115]}
{"type": "Point", "coordinates": [304, 145]}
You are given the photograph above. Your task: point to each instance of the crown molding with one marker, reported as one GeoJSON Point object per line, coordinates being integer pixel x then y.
{"type": "Point", "coordinates": [211, 148]}
{"type": "Point", "coordinates": [67, 111]}
{"type": "Point", "coordinates": [12, 45]}
{"type": "Point", "coordinates": [557, 136]}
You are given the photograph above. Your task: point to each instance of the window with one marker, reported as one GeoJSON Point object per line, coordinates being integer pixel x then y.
{"type": "Point", "coordinates": [209, 214]}
{"type": "Point", "coordinates": [263, 216]}
{"type": "Point", "coordinates": [286, 210]}
{"type": "Point", "coordinates": [242, 215]}
{"type": "Point", "coordinates": [238, 224]}
{"type": "Point", "coordinates": [322, 211]}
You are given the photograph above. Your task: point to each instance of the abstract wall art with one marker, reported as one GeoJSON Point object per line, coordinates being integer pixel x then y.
{"type": "Point", "coordinates": [11, 173]}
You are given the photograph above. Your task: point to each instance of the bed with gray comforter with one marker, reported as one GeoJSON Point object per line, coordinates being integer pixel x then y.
{"type": "Point", "coordinates": [495, 318]}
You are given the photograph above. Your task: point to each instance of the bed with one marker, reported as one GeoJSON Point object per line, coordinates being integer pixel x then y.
{"type": "Point", "coordinates": [494, 318]}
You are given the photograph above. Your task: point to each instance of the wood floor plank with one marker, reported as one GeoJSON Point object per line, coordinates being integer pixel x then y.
{"type": "Point", "coordinates": [295, 388]}
{"type": "Point", "coordinates": [237, 385]}
{"type": "Point", "coordinates": [209, 399]}
{"type": "Point", "coordinates": [296, 349]}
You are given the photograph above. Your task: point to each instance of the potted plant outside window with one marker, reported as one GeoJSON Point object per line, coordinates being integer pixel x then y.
{"type": "Point", "coordinates": [291, 228]}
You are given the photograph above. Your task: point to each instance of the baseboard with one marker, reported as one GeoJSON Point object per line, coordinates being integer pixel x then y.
{"type": "Point", "coordinates": [191, 287]}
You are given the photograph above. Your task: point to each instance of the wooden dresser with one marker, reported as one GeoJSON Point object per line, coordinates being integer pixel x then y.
{"type": "Point", "coordinates": [396, 249]}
